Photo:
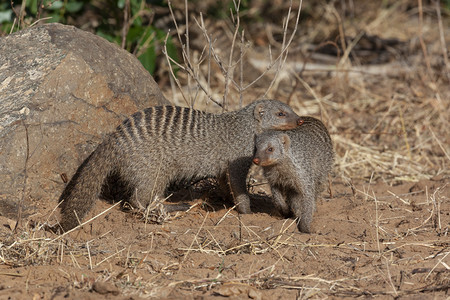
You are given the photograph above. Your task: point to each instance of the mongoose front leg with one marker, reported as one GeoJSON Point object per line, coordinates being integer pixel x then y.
{"type": "Point", "coordinates": [224, 187]}
{"type": "Point", "coordinates": [237, 176]}
{"type": "Point", "coordinates": [279, 201]}
{"type": "Point", "coordinates": [308, 207]}
{"type": "Point", "coordinates": [145, 192]}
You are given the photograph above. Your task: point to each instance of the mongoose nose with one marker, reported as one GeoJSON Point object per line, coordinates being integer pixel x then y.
{"type": "Point", "coordinates": [300, 122]}
{"type": "Point", "coordinates": [256, 161]}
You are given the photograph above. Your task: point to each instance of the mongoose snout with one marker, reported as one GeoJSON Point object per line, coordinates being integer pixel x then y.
{"type": "Point", "coordinates": [269, 151]}
{"type": "Point", "coordinates": [266, 161]}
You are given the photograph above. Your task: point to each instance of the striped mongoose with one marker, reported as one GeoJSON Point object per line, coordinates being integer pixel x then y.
{"type": "Point", "coordinates": [161, 145]}
{"type": "Point", "coordinates": [296, 164]}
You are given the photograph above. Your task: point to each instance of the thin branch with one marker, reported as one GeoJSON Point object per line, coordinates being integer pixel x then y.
{"type": "Point", "coordinates": [241, 63]}
{"type": "Point", "coordinates": [283, 50]}
{"type": "Point", "coordinates": [187, 47]}
{"type": "Point", "coordinates": [422, 42]}
{"type": "Point", "coordinates": [25, 180]}
{"type": "Point", "coordinates": [169, 63]}
{"type": "Point", "coordinates": [126, 25]}
{"type": "Point", "coordinates": [230, 68]}
{"type": "Point", "coordinates": [442, 38]}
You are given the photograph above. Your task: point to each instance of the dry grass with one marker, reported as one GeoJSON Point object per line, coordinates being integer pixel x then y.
{"type": "Point", "coordinates": [391, 248]}
{"type": "Point", "coordinates": [389, 119]}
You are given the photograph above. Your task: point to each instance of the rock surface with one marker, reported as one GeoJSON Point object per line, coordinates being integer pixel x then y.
{"type": "Point", "coordinates": [61, 90]}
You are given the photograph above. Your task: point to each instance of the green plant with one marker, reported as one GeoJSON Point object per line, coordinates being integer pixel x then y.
{"type": "Point", "coordinates": [109, 21]}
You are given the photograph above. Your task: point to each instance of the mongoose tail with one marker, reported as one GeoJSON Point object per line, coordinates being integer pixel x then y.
{"type": "Point", "coordinates": [296, 164]}
{"type": "Point", "coordinates": [76, 202]}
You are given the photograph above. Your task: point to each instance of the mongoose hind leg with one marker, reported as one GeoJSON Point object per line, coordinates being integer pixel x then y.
{"type": "Point", "coordinates": [146, 192]}
{"type": "Point", "coordinates": [224, 187]}
{"type": "Point", "coordinates": [302, 205]}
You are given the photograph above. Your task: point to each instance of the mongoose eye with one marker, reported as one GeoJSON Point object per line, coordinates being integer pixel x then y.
{"type": "Point", "coordinates": [282, 114]}
{"type": "Point", "coordinates": [270, 150]}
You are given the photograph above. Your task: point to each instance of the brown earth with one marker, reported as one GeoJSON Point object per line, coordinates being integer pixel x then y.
{"type": "Point", "coordinates": [368, 240]}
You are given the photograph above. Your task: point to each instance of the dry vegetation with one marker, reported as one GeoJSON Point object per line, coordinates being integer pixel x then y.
{"type": "Point", "coordinates": [378, 76]}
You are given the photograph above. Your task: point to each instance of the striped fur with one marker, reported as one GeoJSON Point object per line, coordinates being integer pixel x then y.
{"type": "Point", "coordinates": [164, 144]}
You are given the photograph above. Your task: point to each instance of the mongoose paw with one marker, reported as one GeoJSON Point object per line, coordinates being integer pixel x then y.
{"type": "Point", "coordinates": [305, 228]}
{"type": "Point", "coordinates": [244, 210]}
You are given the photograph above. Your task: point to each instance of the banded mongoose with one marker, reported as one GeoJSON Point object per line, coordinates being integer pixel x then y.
{"type": "Point", "coordinates": [161, 145]}
{"type": "Point", "coordinates": [296, 164]}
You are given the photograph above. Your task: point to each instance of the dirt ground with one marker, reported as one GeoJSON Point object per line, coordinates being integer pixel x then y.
{"type": "Point", "coordinates": [382, 232]}
{"type": "Point", "coordinates": [370, 239]}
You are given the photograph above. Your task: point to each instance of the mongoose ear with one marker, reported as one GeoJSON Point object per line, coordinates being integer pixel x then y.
{"type": "Point", "coordinates": [286, 141]}
{"type": "Point", "coordinates": [259, 111]}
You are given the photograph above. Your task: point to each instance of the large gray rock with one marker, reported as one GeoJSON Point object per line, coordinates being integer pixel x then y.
{"type": "Point", "coordinates": [68, 88]}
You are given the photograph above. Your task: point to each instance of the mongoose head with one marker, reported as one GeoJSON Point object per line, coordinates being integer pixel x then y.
{"type": "Point", "coordinates": [273, 114]}
{"type": "Point", "coordinates": [271, 147]}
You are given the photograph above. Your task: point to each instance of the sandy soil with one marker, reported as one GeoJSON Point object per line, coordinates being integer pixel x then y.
{"type": "Point", "coordinates": [368, 240]}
